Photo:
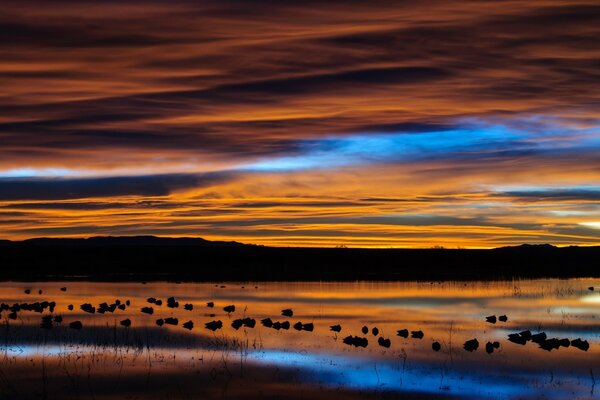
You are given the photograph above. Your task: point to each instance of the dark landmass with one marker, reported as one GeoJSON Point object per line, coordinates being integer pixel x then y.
{"type": "Point", "coordinates": [147, 258]}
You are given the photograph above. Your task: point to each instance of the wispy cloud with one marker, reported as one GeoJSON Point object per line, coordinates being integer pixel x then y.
{"type": "Point", "coordinates": [310, 123]}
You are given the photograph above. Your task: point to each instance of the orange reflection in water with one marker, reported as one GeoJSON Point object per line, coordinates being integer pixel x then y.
{"type": "Point", "coordinates": [447, 312]}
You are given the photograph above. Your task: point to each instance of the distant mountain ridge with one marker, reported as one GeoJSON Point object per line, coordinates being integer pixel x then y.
{"type": "Point", "coordinates": [150, 240]}
{"type": "Point", "coordinates": [124, 241]}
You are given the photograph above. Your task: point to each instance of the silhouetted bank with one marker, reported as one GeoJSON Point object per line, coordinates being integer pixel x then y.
{"type": "Point", "coordinates": [194, 259]}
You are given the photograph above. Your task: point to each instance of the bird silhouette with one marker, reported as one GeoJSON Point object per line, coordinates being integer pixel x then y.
{"type": "Point", "coordinates": [384, 342]}
{"type": "Point", "coordinates": [88, 308]}
{"type": "Point", "coordinates": [539, 337]}
{"type": "Point", "coordinates": [214, 325]}
{"type": "Point", "coordinates": [229, 309]}
{"type": "Point", "coordinates": [249, 322]}
{"type": "Point", "coordinates": [171, 303]}
{"type": "Point", "coordinates": [516, 338]}
{"type": "Point", "coordinates": [356, 341]}
{"type": "Point", "coordinates": [335, 328]}
{"type": "Point", "coordinates": [436, 346]}
{"type": "Point", "coordinates": [287, 312]}
{"type": "Point", "coordinates": [580, 344]}
{"type": "Point", "coordinates": [148, 310]}
{"type": "Point", "coordinates": [375, 331]}
{"type": "Point", "coordinates": [237, 324]}
{"type": "Point", "coordinates": [417, 334]}
{"type": "Point", "coordinates": [267, 322]}
{"type": "Point", "coordinates": [403, 333]}
{"type": "Point", "coordinates": [471, 345]}
{"type": "Point", "coordinates": [550, 344]}
{"type": "Point", "coordinates": [491, 319]}
{"type": "Point", "coordinates": [188, 325]}
{"type": "Point", "coordinates": [126, 322]}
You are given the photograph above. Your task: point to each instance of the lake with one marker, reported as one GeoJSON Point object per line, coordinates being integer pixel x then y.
{"type": "Point", "coordinates": [106, 360]}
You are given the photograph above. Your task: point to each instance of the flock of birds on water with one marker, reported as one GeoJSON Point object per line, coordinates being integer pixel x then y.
{"type": "Point", "coordinates": [50, 320]}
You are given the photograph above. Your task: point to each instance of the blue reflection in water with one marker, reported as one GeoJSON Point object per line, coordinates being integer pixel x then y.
{"type": "Point", "coordinates": [385, 375]}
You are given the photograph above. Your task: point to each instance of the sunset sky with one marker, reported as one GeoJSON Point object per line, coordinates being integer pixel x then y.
{"type": "Point", "coordinates": [357, 123]}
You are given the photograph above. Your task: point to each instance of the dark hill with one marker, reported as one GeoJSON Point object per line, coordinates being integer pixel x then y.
{"type": "Point", "coordinates": [196, 259]}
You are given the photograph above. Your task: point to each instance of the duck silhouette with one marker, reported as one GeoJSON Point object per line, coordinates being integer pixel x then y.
{"type": "Point", "coordinates": [172, 303]}
{"type": "Point", "coordinates": [237, 324]}
{"type": "Point", "coordinates": [249, 322]}
{"type": "Point", "coordinates": [356, 341]}
{"type": "Point", "coordinates": [384, 342]}
{"type": "Point", "coordinates": [491, 319]}
{"type": "Point", "coordinates": [417, 334]}
{"type": "Point", "coordinates": [580, 344]}
{"type": "Point", "coordinates": [436, 346]}
{"type": "Point", "coordinates": [267, 322]}
{"type": "Point", "coordinates": [526, 335]}
{"type": "Point", "coordinates": [539, 337]}
{"type": "Point", "coordinates": [403, 333]}
{"type": "Point", "coordinates": [188, 325]}
{"type": "Point", "coordinates": [88, 308]}
{"type": "Point", "coordinates": [335, 328]}
{"type": "Point", "coordinates": [148, 310]}
{"type": "Point", "coordinates": [287, 312]}
{"type": "Point", "coordinates": [471, 345]}
{"type": "Point", "coordinates": [308, 327]}
{"type": "Point", "coordinates": [229, 309]}
{"type": "Point", "coordinates": [550, 344]}
{"type": "Point", "coordinates": [214, 325]}
{"type": "Point", "coordinates": [516, 338]}
{"type": "Point", "coordinates": [375, 331]}
{"type": "Point", "coordinates": [126, 323]}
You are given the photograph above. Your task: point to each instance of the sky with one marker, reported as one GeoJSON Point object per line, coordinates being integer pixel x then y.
{"type": "Point", "coordinates": [365, 124]}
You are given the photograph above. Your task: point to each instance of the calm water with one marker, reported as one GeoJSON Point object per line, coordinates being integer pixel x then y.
{"type": "Point", "coordinates": [105, 360]}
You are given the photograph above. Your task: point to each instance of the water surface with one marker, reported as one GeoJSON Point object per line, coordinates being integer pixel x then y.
{"type": "Point", "coordinates": [105, 360]}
